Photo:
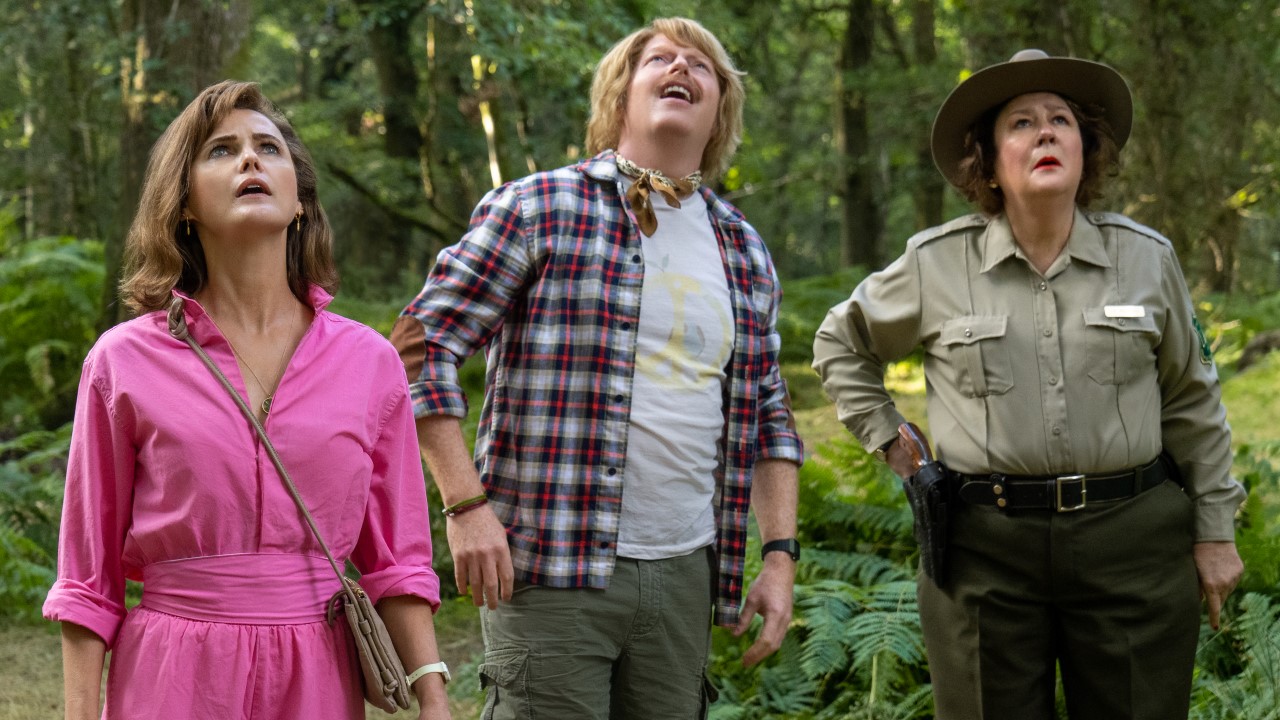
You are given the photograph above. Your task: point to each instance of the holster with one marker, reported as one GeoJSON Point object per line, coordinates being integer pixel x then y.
{"type": "Point", "coordinates": [928, 492]}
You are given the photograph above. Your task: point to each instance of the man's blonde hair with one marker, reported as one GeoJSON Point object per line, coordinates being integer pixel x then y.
{"type": "Point", "coordinates": [617, 68]}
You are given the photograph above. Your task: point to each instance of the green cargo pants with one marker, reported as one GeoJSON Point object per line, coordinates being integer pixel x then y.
{"type": "Point", "coordinates": [636, 650]}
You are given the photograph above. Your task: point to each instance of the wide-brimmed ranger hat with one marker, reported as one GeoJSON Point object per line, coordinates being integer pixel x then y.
{"type": "Point", "coordinates": [1082, 81]}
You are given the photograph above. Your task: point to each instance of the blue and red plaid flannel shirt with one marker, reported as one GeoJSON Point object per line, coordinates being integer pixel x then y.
{"type": "Point", "coordinates": [549, 277]}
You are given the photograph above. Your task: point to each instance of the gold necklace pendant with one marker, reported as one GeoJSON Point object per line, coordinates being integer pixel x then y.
{"type": "Point", "coordinates": [266, 405]}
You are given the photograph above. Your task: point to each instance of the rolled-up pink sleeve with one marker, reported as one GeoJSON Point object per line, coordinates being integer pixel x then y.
{"type": "Point", "coordinates": [96, 509]}
{"type": "Point", "coordinates": [393, 552]}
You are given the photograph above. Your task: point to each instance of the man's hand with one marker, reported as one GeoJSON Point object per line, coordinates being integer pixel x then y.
{"type": "Point", "coordinates": [481, 557]}
{"type": "Point", "coordinates": [1220, 568]}
{"type": "Point", "coordinates": [770, 596]}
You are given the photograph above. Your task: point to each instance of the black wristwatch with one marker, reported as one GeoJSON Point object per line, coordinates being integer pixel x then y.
{"type": "Point", "coordinates": [882, 452]}
{"type": "Point", "coordinates": [790, 546]}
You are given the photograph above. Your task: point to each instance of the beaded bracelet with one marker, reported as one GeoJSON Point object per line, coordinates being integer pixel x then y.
{"type": "Point", "coordinates": [465, 505]}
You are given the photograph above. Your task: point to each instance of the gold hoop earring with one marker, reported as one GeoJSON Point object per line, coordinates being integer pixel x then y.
{"type": "Point", "coordinates": [993, 185]}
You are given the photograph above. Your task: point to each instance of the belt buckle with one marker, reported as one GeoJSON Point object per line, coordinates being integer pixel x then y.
{"type": "Point", "coordinates": [1062, 480]}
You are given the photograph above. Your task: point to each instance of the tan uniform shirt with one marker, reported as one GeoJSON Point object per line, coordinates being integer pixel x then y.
{"type": "Point", "coordinates": [1092, 367]}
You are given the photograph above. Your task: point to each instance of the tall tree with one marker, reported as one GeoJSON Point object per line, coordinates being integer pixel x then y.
{"type": "Point", "coordinates": [929, 187]}
{"type": "Point", "coordinates": [860, 221]}
{"type": "Point", "coordinates": [52, 98]}
{"type": "Point", "coordinates": [175, 49]}
{"type": "Point", "coordinates": [1199, 73]}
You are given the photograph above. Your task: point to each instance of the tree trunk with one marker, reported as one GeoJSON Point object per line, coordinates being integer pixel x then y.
{"type": "Point", "coordinates": [860, 222]}
{"type": "Point", "coordinates": [178, 48]}
{"type": "Point", "coordinates": [450, 187]}
{"type": "Point", "coordinates": [929, 188]}
{"type": "Point", "coordinates": [391, 46]}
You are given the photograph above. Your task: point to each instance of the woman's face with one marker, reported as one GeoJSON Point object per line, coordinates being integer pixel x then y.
{"type": "Point", "coordinates": [1039, 152]}
{"type": "Point", "coordinates": [242, 178]}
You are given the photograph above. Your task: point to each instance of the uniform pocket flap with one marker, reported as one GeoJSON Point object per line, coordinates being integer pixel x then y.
{"type": "Point", "coordinates": [969, 329]}
{"type": "Point", "coordinates": [1097, 317]}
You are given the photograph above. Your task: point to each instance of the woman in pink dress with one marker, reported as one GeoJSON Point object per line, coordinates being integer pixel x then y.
{"type": "Point", "coordinates": [168, 483]}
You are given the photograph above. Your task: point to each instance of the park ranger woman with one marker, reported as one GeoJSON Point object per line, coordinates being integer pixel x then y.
{"type": "Point", "coordinates": [1073, 401]}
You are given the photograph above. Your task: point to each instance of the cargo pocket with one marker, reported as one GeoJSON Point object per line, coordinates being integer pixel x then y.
{"type": "Point", "coordinates": [978, 353]}
{"type": "Point", "coordinates": [1118, 349]}
{"type": "Point", "coordinates": [504, 677]}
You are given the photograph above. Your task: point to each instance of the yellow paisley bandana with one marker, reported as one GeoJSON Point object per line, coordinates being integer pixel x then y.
{"type": "Point", "coordinates": [647, 181]}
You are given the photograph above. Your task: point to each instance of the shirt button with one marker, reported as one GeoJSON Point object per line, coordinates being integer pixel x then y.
{"type": "Point", "coordinates": [604, 546]}
{"type": "Point", "coordinates": [1053, 380]}
{"type": "Point", "coordinates": [613, 471]}
{"type": "Point", "coordinates": [635, 258]}
{"type": "Point", "coordinates": [1121, 321]}
{"type": "Point", "coordinates": [626, 326]}
{"type": "Point", "coordinates": [968, 332]}
{"type": "Point", "coordinates": [1057, 430]}
{"type": "Point", "coordinates": [1043, 286]}
{"type": "Point", "coordinates": [1048, 332]}
{"type": "Point", "coordinates": [617, 398]}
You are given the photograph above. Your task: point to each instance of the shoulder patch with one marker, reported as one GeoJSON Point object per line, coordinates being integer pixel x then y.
{"type": "Point", "coordinates": [959, 225]}
{"type": "Point", "coordinates": [1206, 350]}
{"type": "Point", "coordinates": [1126, 222]}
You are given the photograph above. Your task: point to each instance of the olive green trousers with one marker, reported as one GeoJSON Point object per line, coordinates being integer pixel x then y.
{"type": "Point", "coordinates": [1108, 594]}
{"type": "Point", "coordinates": [634, 651]}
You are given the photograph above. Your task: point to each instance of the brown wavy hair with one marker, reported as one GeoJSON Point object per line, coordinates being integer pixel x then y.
{"type": "Point", "coordinates": [977, 168]}
{"type": "Point", "coordinates": [160, 255]}
{"type": "Point", "coordinates": [613, 79]}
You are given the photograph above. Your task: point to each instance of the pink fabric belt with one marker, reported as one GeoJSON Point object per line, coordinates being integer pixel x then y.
{"type": "Point", "coordinates": [246, 589]}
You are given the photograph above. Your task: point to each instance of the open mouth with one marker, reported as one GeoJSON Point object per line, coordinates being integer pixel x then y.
{"type": "Point", "coordinates": [1048, 161]}
{"type": "Point", "coordinates": [252, 188]}
{"type": "Point", "coordinates": [677, 91]}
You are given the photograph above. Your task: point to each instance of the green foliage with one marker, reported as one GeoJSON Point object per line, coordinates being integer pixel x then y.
{"type": "Point", "coordinates": [32, 468]}
{"type": "Point", "coordinates": [855, 647]}
{"type": "Point", "coordinates": [26, 574]}
{"type": "Point", "coordinates": [805, 303]}
{"type": "Point", "coordinates": [1257, 466]}
{"type": "Point", "coordinates": [49, 289]}
{"type": "Point", "coordinates": [1251, 398]}
{"type": "Point", "coordinates": [1254, 691]}
{"type": "Point", "coordinates": [1232, 321]}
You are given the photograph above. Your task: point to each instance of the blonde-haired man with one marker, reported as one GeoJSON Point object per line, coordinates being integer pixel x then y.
{"type": "Point", "coordinates": [633, 406]}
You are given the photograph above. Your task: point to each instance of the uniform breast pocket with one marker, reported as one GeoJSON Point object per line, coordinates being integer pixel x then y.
{"type": "Point", "coordinates": [1118, 349]}
{"type": "Point", "coordinates": [978, 350]}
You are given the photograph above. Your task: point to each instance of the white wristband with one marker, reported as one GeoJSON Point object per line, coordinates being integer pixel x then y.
{"type": "Point", "coordinates": [435, 667]}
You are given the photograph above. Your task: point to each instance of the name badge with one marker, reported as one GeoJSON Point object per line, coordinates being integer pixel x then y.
{"type": "Point", "coordinates": [1124, 311]}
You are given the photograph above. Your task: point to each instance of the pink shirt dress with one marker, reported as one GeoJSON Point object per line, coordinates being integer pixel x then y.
{"type": "Point", "coordinates": [168, 484]}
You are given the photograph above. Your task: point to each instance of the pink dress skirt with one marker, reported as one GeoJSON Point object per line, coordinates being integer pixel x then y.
{"type": "Point", "coordinates": [233, 638]}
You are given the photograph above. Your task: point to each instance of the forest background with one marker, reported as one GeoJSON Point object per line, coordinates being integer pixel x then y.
{"type": "Point", "coordinates": [414, 109]}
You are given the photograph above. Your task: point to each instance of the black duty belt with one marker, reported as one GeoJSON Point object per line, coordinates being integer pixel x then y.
{"type": "Point", "coordinates": [1063, 493]}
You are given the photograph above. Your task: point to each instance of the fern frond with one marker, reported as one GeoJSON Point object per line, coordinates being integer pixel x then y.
{"type": "Point", "coordinates": [1254, 692]}
{"type": "Point", "coordinates": [853, 567]}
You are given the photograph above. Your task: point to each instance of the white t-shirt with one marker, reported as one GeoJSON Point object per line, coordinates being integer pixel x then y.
{"type": "Point", "coordinates": [684, 342]}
